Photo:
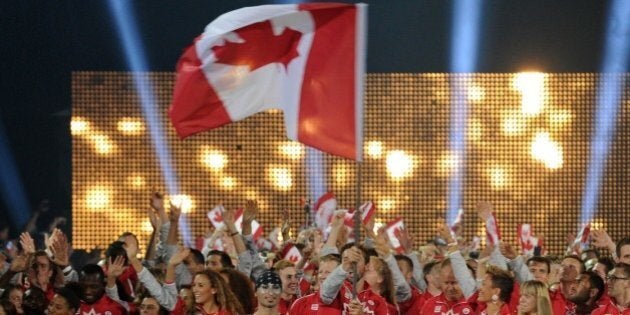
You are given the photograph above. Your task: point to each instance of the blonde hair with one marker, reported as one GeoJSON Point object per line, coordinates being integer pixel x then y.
{"type": "Point", "coordinates": [541, 292]}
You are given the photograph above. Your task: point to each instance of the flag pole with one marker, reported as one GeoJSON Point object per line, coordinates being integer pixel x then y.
{"type": "Point", "coordinates": [357, 227]}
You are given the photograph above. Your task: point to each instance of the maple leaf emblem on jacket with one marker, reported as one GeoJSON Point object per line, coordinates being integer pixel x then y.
{"type": "Point", "coordinates": [260, 47]}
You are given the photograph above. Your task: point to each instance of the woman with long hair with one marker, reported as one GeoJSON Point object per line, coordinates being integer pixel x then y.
{"type": "Point", "coordinates": [379, 277]}
{"type": "Point", "coordinates": [212, 296]}
{"type": "Point", "coordinates": [495, 291]}
{"type": "Point", "coordinates": [240, 284]}
{"type": "Point", "coordinates": [534, 299]}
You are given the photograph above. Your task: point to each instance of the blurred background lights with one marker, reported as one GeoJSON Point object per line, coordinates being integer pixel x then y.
{"type": "Point", "coordinates": [79, 126]}
{"type": "Point", "coordinates": [340, 173]}
{"type": "Point", "coordinates": [102, 144]}
{"type": "Point", "coordinates": [130, 126]}
{"type": "Point", "coordinates": [386, 204]}
{"type": "Point", "coordinates": [374, 149]}
{"type": "Point", "coordinates": [559, 118]}
{"type": "Point", "coordinates": [136, 181]}
{"type": "Point", "coordinates": [98, 197]}
{"type": "Point", "coordinates": [213, 159]}
{"type": "Point", "coordinates": [547, 151]}
{"type": "Point", "coordinates": [498, 177]}
{"type": "Point", "coordinates": [146, 226]}
{"type": "Point", "coordinates": [474, 130]}
{"type": "Point", "coordinates": [447, 164]}
{"type": "Point", "coordinates": [532, 88]}
{"type": "Point", "coordinates": [227, 182]}
{"type": "Point", "coordinates": [475, 93]}
{"type": "Point", "coordinates": [512, 124]}
{"type": "Point", "coordinates": [281, 178]}
{"type": "Point", "coordinates": [399, 164]}
{"type": "Point", "coordinates": [184, 202]}
{"type": "Point", "coordinates": [292, 149]}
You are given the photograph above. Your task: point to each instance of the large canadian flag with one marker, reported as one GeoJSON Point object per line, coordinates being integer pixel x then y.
{"type": "Point", "coordinates": [304, 59]}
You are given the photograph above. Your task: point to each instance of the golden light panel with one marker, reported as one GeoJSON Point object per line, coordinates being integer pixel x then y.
{"type": "Point", "coordinates": [102, 144]}
{"type": "Point", "coordinates": [213, 159]}
{"type": "Point", "coordinates": [531, 85]}
{"type": "Point", "coordinates": [184, 202]}
{"type": "Point", "coordinates": [79, 126]}
{"type": "Point", "coordinates": [281, 178]}
{"type": "Point", "coordinates": [528, 144]}
{"type": "Point", "coordinates": [98, 197]}
{"type": "Point", "coordinates": [292, 150]}
{"type": "Point", "coordinates": [374, 149]}
{"type": "Point", "coordinates": [399, 164]}
{"type": "Point", "coordinates": [547, 151]}
{"type": "Point", "coordinates": [228, 182]}
{"type": "Point", "coordinates": [130, 126]}
{"type": "Point", "coordinates": [498, 177]}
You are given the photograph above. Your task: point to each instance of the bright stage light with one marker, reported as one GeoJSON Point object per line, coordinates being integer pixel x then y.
{"type": "Point", "coordinates": [547, 151]}
{"type": "Point", "coordinates": [214, 159]}
{"type": "Point", "coordinates": [136, 181]}
{"type": "Point", "coordinates": [184, 202]}
{"type": "Point", "coordinates": [374, 149]}
{"type": "Point", "coordinates": [281, 178]}
{"type": "Point", "coordinates": [512, 124]}
{"type": "Point", "coordinates": [475, 93]}
{"type": "Point", "coordinates": [98, 197]}
{"type": "Point", "coordinates": [399, 164]}
{"type": "Point", "coordinates": [79, 126]}
{"type": "Point", "coordinates": [475, 130]}
{"type": "Point", "coordinates": [102, 144]}
{"type": "Point", "coordinates": [228, 183]}
{"type": "Point", "coordinates": [130, 126]}
{"type": "Point", "coordinates": [532, 88]}
{"type": "Point", "coordinates": [498, 176]}
{"type": "Point", "coordinates": [447, 164]}
{"type": "Point", "coordinates": [293, 150]}
{"type": "Point", "coordinates": [386, 204]}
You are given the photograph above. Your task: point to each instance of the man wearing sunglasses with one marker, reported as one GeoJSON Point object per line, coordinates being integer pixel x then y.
{"type": "Point", "coordinates": [619, 291]}
{"type": "Point", "coordinates": [268, 290]}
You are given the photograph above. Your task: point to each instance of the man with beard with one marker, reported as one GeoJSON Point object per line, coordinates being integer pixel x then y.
{"type": "Point", "coordinates": [619, 292]}
{"type": "Point", "coordinates": [92, 281]}
{"type": "Point", "coordinates": [268, 290]}
{"type": "Point", "coordinates": [585, 292]}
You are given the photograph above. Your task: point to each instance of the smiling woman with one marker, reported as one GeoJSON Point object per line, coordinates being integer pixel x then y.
{"type": "Point", "coordinates": [213, 296]}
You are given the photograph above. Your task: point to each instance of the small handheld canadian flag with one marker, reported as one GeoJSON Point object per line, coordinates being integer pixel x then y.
{"type": "Point", "coordinates": [216, 216]}
{"type": "Point", "coordinates": [291, 253]}
{"type": "Point", "coordinates": [392, 229]}
{"type": "Point", "coordinates": [493, 233]}
{"type": "Point", "coordinates": [324, 209]}
{"type": "Point", "coordinates": [526, 239]}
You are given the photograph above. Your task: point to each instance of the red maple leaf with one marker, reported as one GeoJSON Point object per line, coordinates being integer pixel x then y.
{"type": "Point", "coordinates": [217, 217]}
{"type": "Point", "coordinates": [260, 47]}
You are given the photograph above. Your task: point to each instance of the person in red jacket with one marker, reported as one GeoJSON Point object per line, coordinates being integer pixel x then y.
{"type": "Point", "coordinates": [288, 275]}
{"type": "Point", "coordinates": [268, 290]}
{"type": "Point", "coordinates": [452, 300]}
{"type": "Point", "coordinates": [495, 291]}
{"type": "Point", "coordinates": [586, 291]}
{"type": "Point", "coordinates": [619, 292]}
{"type": "Point", "coordinates": [311, 304]}
{"type": "Point", "coordinates": [92, 281]}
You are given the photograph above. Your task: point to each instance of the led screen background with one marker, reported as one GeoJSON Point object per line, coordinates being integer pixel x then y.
{"type": "Point", "coordinates": [528, 142]}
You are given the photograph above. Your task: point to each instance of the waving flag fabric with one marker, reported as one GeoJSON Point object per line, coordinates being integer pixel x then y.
{"type": "Point", "coordinates": [304, 59]}
{"type": "Point", "coordinates": [324, 209]}
{"type": "Point", "coordinates": [493, 233]}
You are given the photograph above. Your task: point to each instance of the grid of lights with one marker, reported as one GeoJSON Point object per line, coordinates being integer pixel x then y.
{"type": "Point", "coordinates": [528, 141]}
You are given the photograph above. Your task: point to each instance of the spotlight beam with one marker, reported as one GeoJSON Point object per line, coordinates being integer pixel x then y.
{"type": "Point", "coordinates": [464, 41]}
{"type": "Point", "coordinates": [123, 14]}
{"type": "Point", "coordinates": [11, 186]}
{"type": "Point", "coordinates": [610, 89]}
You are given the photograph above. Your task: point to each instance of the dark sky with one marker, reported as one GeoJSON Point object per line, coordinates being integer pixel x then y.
{"type": "Point", "coordinates": [44, 41]}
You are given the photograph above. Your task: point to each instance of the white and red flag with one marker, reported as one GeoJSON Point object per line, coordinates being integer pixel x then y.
{"type": "Point", "coordinates": [216, 216]}
{"type": "Point", "coordinates": [493, 233]}
{"type": "Point", "coordinates": [456, 226]}
{"type": "Point", "coordinates": [527, 239]}
{"type": "Point", "coordinates": [367, 212]}
{"type": "Point", "coordinates": [581, 239]}
{"type": "Point", "coordinates": [304, 59]}
{"type": "Point", "coordinates": [393, 230]}
{"type": "Point", "coordinates": [324, 209]}
{"type": "Point", "coordinates": [291, 253]}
